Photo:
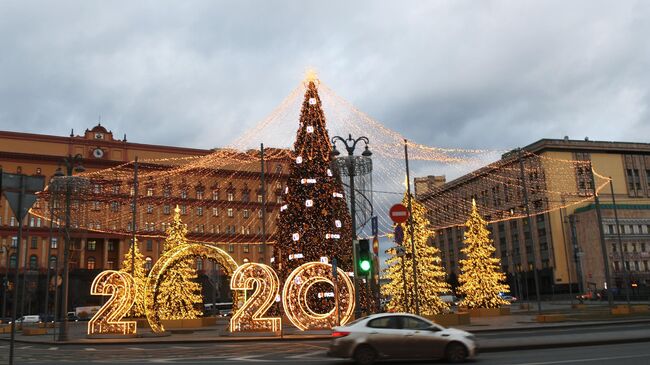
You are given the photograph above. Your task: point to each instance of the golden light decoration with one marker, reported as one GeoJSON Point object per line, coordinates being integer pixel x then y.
{"type": "Point", "coordinates": [108, 319]}
{"type": "Point", "coordinates": [296, 303]}
{"type": "Point", "coordinates": [265, 281]}
{"type": "Point", "coordinates": [175, 255]}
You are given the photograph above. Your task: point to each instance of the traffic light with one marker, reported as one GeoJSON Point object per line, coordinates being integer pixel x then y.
{"type": "Point", "coordinates": [364, 259]}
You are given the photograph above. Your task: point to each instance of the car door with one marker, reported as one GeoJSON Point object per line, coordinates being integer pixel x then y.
{"type": "Point", "coordinates": [422, 340]}
{"type": "Point", "coordinates": [385, 336]}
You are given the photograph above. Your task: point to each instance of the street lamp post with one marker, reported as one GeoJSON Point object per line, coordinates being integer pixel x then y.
{"type": "Point", "coordinates": [350, 144]}
{"type": "Point", "coordinates": [72, 164]}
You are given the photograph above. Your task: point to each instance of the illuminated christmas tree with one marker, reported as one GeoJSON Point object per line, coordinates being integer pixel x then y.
{"type": "Point", "coordinates": [180, 293]}
{"type": "Point", "coordinates": [314, 221]}
{"type": "Point", "coordinates": [431, 275]}
{"type": "Point", "coordinates": [139, 277]}
{"type": "Point", "coordinates": [481, 279]}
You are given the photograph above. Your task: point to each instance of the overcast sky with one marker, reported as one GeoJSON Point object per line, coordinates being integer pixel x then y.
{"type": "Point", "coordinates": [471, 74]}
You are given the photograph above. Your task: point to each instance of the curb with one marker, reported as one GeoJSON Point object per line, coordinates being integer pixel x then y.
{"type": "Point", "coordinates": [562, 345]}
{"type": "Point", "coordinates": [559, 326]}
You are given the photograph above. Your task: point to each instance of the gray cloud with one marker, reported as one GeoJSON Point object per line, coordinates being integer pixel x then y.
{"type": "Point", "coordinates": [470, 74]}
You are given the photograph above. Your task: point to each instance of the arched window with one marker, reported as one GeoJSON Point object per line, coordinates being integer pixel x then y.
{"type": "Point", "coordinates": [90, 263]}
{"type": "Point", "coordinates": [147, 263]}
{"type": "Point", "coordinates": [52, 262]}
{"type": "Point", "coordinates": [199, 264]}
{"type": "Point", "coordinates": [33, 262]}
{"type": "Point", "coordinates": [12, 261]}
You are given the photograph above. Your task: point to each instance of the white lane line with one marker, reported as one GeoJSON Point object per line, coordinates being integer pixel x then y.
{"type": "Point", "coordinates": [24, 347]}
{"type": "Point", "coordinates": [53, 348]}
{"type": "Point", "coordinates": [584, 360]}
{"type": "Point", "coordinates": [90, 349]}
{"type": "Point", "coordinates": [251, 358]}
{"type": "Point", "coordinates": [309, 354]}
{"type": "Point", "coordinates": [135, 348]}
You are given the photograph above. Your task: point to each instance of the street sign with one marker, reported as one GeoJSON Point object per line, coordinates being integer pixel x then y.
{"type": "Point", "coordinates": [398, 213]}
{"type": "Point", "coordinates": [399, 234]}
{"type": "Point", "coordinates": [400, 251]}
{"type": "Point", "coordinates": [375, 225]}
{"type": "Point", "coordinates": [11, 184]}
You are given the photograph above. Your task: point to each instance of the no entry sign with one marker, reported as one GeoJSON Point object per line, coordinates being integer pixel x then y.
{"type": "Point", "coordinates": [399, 213]}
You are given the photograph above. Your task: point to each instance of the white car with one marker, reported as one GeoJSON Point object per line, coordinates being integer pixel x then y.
{"type": "Point", "coordinates": [29, 319]}
{"type": "Point", "coordinates": [400, 336]}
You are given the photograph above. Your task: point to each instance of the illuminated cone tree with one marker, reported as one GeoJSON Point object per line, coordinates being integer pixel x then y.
{"type": "Point", "coordinates": [314, 221]}
{"type": "Point", "coordinates": [481, 279]}
{"type": "Point", "coordinates": [180, 293]}
{"type": "Point", "coordinates": [431, 275]}
{"type": "Point", "coordinates": [139, 277]}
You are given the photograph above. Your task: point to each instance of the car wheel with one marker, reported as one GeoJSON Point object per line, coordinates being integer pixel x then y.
{"type": "Point", "coordinates": [455, 352]}
{"type": "Point", "coordinates": [365, 355]}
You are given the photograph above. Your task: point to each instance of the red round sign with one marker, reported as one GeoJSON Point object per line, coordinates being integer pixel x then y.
{"type": "Point", "coordinates": [399, 213]}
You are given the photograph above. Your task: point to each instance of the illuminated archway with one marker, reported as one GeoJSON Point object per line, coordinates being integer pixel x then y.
{"type": "Point", "coordinates": [182, 252]}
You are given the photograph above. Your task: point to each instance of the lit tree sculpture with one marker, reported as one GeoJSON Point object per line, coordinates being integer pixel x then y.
{"type": "Point", "coordinates": [431, 275]}
{"type": "Point", "coordinates": [180, 294]}
{"type": "Point", "coordinates": [481, 279]}
{"type": "Point", "coordinates": [139, 277]}
{"type": "Point", "coordinates": [314, 221]}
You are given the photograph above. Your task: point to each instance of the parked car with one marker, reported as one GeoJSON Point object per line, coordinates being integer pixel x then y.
{"type": "Point", "coordinates": [450, 298]}
{"type": "Point", "coordinates": [29, 319]}
{"type": "Point", "coordinates": [400, 336]}
{"type": "Point", "coordinates": [508, 297]}
{"type": "Point", "coordinates": [72, 317]}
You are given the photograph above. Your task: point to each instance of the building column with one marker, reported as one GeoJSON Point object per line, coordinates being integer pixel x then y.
{"type": "Point", "coordinates": [105, 254]}
{"type": "Point", "coordinates": [82, 254]}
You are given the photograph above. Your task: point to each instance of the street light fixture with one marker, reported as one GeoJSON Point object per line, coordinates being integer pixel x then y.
{"type": "Point", "coordinates": [72, 164]}
{"type": "Point", "coordinates": [350, 144]}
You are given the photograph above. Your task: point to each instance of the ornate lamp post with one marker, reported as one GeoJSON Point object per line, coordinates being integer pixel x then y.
{"type": "Point", "coordinates": [72, 164]}
{"type": "Point", "coordinates": [350, 144]}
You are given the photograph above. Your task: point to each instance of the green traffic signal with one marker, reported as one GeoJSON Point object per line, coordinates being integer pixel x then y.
{"type": "Point", "coordinates": [364, 265]}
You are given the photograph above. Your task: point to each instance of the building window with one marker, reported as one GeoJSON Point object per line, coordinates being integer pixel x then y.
{"type": "Point", "coordinates": [259, 213]}
{"type": "Point", "coordinates": [14, 242]}
{"type": "Point", "coordinates": [183, 194]}
{"type": "Point", "coordinates": [54, 243]}
{"type": "Point", "coordinates": [215, 194]}
{"type": "Point", "coordinates": [199, 264]}
{"type": "Point", "coordinates": [148, 263]}
{"type": "Point", "coordinates": [167, 191]}
{"type": "Point", "coordinates": [259, 198]}
{"type": "Point", "coordinates": [34, 244]}
{"type": "Point", "coordinates": [199, 194]}
{"type": "Point", "coordinates": [90, 263]}
{"type": "Point", "coordinates": [183, 209]}
{"type": "Point", "coordinates": [33, 262]}
{"type": "Point", "coordinates": [111, 246]}
{"type": "Point", "coordinates": [215, 212]}
{"type": "Point", "coordinates": [231, 197]}
{"type": "Point", "coordinates": [246, 196]}
{"type": "Point", "coordinates": [230, 212]}
{"type": "Point", "coordinates": [52, 262]}
{"type": "Point", "coordinates": [149, 245]}
{"type": "Point", "coordinates": [166, 209]}
{"type": "Point", "coordinates": [260, 249]}
{"type": "Point", "coordinates": [12, 261]}
{"type": "Point", "coordinates": [199, 211]}
{"type": "Point", "coordinates": [231, 249]}
{"type": "Point", "coordinates": [149, 191]}
{"type": "Point", "coordinates": [149, 209]}
{"type": "Point", "coordinates": [246, 248]}
{"type": "Point", "coordinates": [246, 213]}
{"type": "Point", "coordinates": [97, 189]}
{"type": "Point", "coordinates": [12, 221]}
{"type": "Point", "coordinates": [115, 207]}
{"type": "Point", "coordinates": [116, 189]}
{"type": "Point", "coordinates": [92, 245]}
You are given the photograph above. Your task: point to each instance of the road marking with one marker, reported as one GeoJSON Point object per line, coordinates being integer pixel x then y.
{"type": "Point", "coordinates": [251, 358]}
{"type": "Point", "coordinates": [24, 347]}
{"type": "Point", "coordinates": [135, 348]}
{"type": "Point", "coordinates": [309, 354]}
{"type": "Point", "coordinates": [53, 348]}
{"type": "Point", "coordinates": [90, 349]}
{"type": "Point", "coordinates": [583, 360]}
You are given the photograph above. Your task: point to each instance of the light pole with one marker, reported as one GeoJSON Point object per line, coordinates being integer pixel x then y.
{"type": "Point", "coordinates": [72, 164]}
{"type": "Point", "coordinates": [350, 144]}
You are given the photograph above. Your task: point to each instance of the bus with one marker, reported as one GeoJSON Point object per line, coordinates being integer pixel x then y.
{"type": "Point", "coordinates": [218, 309]}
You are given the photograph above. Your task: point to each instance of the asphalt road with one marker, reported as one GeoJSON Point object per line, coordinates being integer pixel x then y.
{"type": "Point", "coordinates": [300, 352]}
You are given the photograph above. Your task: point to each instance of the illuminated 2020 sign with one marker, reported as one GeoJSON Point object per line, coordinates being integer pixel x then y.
{"type": "Point", "coordinates": [249, 276]}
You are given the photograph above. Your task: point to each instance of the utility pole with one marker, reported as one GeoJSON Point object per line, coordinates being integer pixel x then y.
{"type": "Point", "coordinates": [530, 230]}
{"type": "Point", "coordinates": [134, 210]}
{"type": "Point", "coordinates": [416, 295]}
{"type": "Point", "coordinates": [19, 215]}
{"type": "Point", "coordinates": [626, 272]}
{"type": "Point", "coordinates": [603, 247]}
{"type": "Point", "coordinates": [566, 253]}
